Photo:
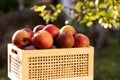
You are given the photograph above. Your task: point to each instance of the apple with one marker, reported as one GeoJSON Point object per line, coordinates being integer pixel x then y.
{"type": "Point", "coordinates": [21, 38]}
{"type": "Point", "coordinates": [29, 47]}
{"type": "Point", "coordinates": [42, 39]}
{"type": "Point", "coordinates": [68, 29]}
{"type": "Point", "coordinates": [37, 28]}
{"type": "Point", "coordinates": [52, 29]}
{"type": "Point", "coordinates": [53, 47]}
{"type": "Point", "coordinates": [29, 31]}
{"type": "Point", "coordinates": [64, 40]}
{"type": "Point", "coordinates": [81, 40]}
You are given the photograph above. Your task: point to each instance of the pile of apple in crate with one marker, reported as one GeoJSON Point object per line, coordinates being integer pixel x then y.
{"type": "Point", "coordinates": [49, 37]}
{"type": "Point", "coordinates": [50, 53]}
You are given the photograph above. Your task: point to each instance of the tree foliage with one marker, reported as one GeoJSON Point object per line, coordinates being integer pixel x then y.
{"type": "Point", "coordinates": [106, 12]}
{"type": "Point", "coordinates": [47, 14]}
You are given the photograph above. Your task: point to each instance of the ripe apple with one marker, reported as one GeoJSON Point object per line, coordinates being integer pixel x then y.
{"type": "Point", "coordinates": [68, 29]}
{"type": "Point", "coordinates": [64, 40]}
{"type": "Point", "coordinates": [53, 47]}
{"type": "Point", "coordinates": [29, 31]}
{"type": "Point", "coordinates": [42, 39]}
{"type": "Point", "coordinates": [29, 47]}
{"type": "Point", "coordinates": [81, 40]}
{"type": "Point", "coordinates": [52, 29]}
{"type": "Point", "coordinates": [21, 38]}
{"type": "Point", "coordinates": [37, 28]}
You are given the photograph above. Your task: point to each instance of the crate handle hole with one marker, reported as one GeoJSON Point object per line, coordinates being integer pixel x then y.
{"type": "Point", "coordinates": [14, 51]}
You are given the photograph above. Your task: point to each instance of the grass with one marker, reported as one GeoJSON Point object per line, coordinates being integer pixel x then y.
{"type": "Point", "coordinates": [107, 64]}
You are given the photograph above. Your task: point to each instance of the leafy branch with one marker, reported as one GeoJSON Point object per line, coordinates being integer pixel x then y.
{"type": "Point", "coordinates": [47, 14]}
{"type": "Point", "coordinates": [106, 13]}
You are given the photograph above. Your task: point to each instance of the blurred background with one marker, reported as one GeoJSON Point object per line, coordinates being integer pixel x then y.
{"type": "Point", "coordinates": [17, 14]}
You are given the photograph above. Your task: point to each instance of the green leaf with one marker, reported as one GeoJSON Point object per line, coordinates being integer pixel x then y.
{"type": "Point", "coordinates": [90, 23]}
{"type": "Point", "coordinates": [94, 17]}
{"type": "Point", "coordinates": [39, 8]}
{"type": "Point", "coordinates": [53, 7]}
{"type": "Point", "coordinates": [42, 14]}
{"type": "Point", "coordinates": [47, 20]}
{"type": "Point", "coordinates": [105, 19]}
{"type": "Point", "coordinates": [86, 17]}
{"type": "Point", "coordinates": [116, 24]}
{"type": "Point", "coordinates": [83, 21]}
{"type": "Point", "coordinates": [53, 18]}
{"type": "Point", "coordinates": [60, 6]}
{"type": "Point", "coordinates": [110, 25]}
{"type": "Point", "coordinates": [79, 4]}
{"type": "Point", "coordinates": [102, 13]}
{"type": "Point", "coordinates": [102, 5]}
{"type": "Point", "coordinates": [89, 4]}
{"type": "Point", "coordinates": [110, 2]}
{"type": "Point", "coordinates": [55, 14]}
{"type": "Point", "coordinates": [97, 16]}
{"type": "Point", "coordinates": [89, 13]}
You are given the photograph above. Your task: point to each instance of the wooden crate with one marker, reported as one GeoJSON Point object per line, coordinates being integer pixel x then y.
{"type": "Point", "coordinates": [50, 64]}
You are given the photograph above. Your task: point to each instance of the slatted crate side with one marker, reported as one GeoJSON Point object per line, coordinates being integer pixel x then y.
{"type": "Point", "coordinates": [14, 62]}
{"type": "Point", "coordinates": [91, 64]}
{"type": "Point", "coordinates": [56, 64]}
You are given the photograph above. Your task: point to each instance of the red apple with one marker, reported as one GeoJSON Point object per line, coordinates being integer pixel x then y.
{"type": "Point", "coordinates": [29, 47]}
{"type": "Point", "coordinates": [29, 31]}
{"type": "Point", "coordinates": [64, 40]}
{"type": "Point", "coordinates": [81, 40]}
{"type": "Point", "coordinates": [53, 47]}
{"type": "Point", "coordinates": [68, 29]}
{"type": "Point", "coordinates": [21, 38]}
{"type": "Point", "coordinates": [42, 39]}
{"type": "Point", "coordinates": [52, 29]}
{"type": "Point", "coordinates": [37, 28]}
